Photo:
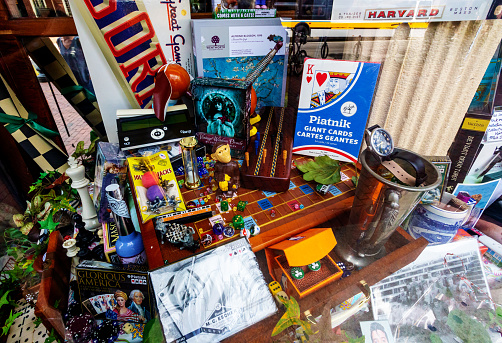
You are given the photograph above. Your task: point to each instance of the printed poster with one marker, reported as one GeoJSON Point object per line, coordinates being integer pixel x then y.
{"type": "Point", "coordinates": [335, 100]}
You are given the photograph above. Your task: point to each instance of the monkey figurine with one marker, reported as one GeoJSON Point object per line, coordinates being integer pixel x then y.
{"type": "Point", "coordinates": [226, 171]}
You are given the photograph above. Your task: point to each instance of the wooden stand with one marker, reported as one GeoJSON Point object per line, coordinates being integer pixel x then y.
{"type": "Point", "coordinates": [267, 165]}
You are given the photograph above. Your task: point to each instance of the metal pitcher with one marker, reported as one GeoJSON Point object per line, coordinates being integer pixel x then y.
{"type": "Point", "coordinates": [379, 207]}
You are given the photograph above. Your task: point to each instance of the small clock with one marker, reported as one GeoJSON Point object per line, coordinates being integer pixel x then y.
{"type": "Point", "coordinates": [379, 141]}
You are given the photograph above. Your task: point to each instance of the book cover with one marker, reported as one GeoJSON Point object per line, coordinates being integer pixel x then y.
{"type": "Point", "coordinates": [160, 196]}
{"type": "Point", "coordinates": [465, 147]}
{"type": "Point", "coordinates": [335, 99]}
{"type": "Point", "coordinates": [230, 49]}
{"type": "Point", "coordinates": [114, 292]}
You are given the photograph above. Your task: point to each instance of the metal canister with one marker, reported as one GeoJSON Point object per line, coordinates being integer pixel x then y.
{"type": "Point", "coordinates": [380, 206]}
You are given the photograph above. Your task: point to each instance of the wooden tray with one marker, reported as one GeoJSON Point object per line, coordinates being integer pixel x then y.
{"type": "Point", "coordinates": [316, 209]}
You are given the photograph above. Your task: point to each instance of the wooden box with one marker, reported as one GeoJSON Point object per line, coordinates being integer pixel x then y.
{"type": "Point", "coordinates": [307, 247]}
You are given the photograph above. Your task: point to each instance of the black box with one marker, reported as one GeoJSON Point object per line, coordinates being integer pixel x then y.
{"type": "Point", "coordinates": [101, 285]}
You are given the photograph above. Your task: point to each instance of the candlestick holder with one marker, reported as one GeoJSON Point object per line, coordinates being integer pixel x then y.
{"type": "Point", "coordinates": [189, 157]}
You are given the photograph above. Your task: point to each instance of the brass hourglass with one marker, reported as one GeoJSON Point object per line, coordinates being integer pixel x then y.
{"type": "Point", "coordinates": [192, 179]}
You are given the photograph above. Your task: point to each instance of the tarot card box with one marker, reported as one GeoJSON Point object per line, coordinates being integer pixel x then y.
{"type": "Point", "coordinates": [101, 285]}
{"type": "Point", "coordinates": [308, 247]}
{"type": "Point", "coordinates": [222, 109]}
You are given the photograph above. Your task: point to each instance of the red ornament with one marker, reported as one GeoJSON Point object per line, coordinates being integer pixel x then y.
{"type": "Point", "coordinates": [179, 79]}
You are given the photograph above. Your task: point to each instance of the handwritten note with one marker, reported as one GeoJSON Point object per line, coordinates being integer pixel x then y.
{"type": "Point", "coordinates": [494, 130]}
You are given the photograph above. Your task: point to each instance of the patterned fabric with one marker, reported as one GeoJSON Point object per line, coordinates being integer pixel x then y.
{"type": "Point", "coordinates": [50, 61]}
{"type": "Point", "coordinates": [41, 149]}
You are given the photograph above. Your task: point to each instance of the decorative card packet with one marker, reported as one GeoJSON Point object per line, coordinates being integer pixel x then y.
{"type": "Point", "coordinates": [213, 295]}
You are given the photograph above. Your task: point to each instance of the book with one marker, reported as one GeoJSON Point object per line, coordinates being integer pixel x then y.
{"type": "Point", "coordinates": [335, 99]}
{"type": "Point", "coordinates": [161, 194]}
{"type": "Point", "coordinates": [115, 292]}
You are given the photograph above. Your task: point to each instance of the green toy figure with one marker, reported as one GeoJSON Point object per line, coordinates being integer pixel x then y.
{"type": "Point", "coordinates": [238, 222]}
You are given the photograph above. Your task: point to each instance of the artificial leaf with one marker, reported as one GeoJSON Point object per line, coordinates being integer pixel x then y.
{"type": "Point", "coordinates": [9, 322]}
{"type": "Point", "coordinates": [37, 322]}
{"type": "Point", "coordinates": [52, 338]}
{"type": "Point", "coordinates": [355, 179]}
{"type": "Point", "coordinates": [26, 228]}
{"type": "Point", "coordinates": [59, 181]}
{"type": "Point", "coordinates": [48, 224]}
{"type": "Point", "coordinates": [498, 311]}
{"type": "Point", "coordinates": [92, 147]}
{"type": "Point", "coordinates": [323, 170]}
{"type": "Point", "coordinates": [18, 219]}
{"type": "Point", "coordinates": [56, 303]}
{"type": "Point", "coordinates": [79, 149]}
{"type": "Point", "coordinates": [291, 317]}
{"type": "Point", "coordinates": [4, 300]}
{"type": "Point", "coordinates": [355, 340]}
{"type": "Point", "coordinates": [152, 332]}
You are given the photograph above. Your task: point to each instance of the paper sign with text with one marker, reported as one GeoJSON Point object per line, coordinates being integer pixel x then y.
{"type": "Point", "coordinates": [494, 129]}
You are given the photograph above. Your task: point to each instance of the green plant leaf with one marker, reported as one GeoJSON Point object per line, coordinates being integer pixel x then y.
{"type": "Point", "coordinates": [355, 179]}
{"type": "Point", "coordinates": [323, 170]}
{"type": "Point", "coordinates": [56, 303]}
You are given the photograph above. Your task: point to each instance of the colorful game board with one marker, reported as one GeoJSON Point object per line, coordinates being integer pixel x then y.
{"type": "Point", "coordinates": [311, 209]}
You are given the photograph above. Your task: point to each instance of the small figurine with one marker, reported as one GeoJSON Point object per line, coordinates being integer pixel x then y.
{"type": "Point", "coordinates": [272, 213]}
{"type": "Point", "coordinates": [224, 205]}
{"type": "Point", "coordinates": [238, 222]}
{"type": "Point", "coordinates": [226, 171]}
{"type": "Point", "coordinates": [241, 205]}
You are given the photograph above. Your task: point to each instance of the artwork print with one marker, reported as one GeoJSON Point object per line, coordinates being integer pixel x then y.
{"type": "Point", "coordinates": [327, 86]}
{"type": "Point", "coordinates": [268, 85]}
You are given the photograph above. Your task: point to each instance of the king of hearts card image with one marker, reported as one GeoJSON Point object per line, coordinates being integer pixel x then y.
{"type": "Point", "coordinates": [335, 100]}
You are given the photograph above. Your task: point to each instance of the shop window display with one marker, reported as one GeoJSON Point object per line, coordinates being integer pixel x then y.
{"type": "Point", "coordinates": [430, 69]}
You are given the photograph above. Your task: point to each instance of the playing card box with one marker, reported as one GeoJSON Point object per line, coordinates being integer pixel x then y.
{"type": "Point", "coordinates": [302, 264]}
{"type": "Point", "coordinates": [114, 292]}
{"type": "Point", "coordinates": [335, 99]}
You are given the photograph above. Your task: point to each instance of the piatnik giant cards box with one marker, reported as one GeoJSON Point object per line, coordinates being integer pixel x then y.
{"type": "Point", "coordinates": [335, 100]}
{"type": "Point", "coordinates": [114, 292]}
